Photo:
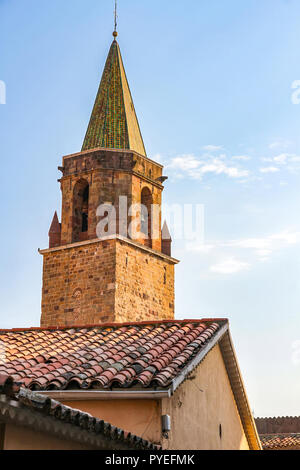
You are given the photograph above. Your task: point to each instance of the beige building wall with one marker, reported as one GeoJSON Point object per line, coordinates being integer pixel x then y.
{"type": "Point", "coordinates": [140, 417]}
{"type": "Point", "coordinates": [21, 438]}
{"type": "Point", "coordinates": [198, 408]}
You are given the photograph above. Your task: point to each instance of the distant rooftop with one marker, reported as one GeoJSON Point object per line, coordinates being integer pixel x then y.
{"type": "Point", "coordinates": [281, 433]}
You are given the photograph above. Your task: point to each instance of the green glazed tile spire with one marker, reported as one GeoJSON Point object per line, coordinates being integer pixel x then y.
{"type": "Point", "coordinates": [113, 122]}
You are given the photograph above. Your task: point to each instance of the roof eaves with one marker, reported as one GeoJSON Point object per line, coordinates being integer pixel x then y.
{"type": "Point", "coordinates": [199, 357]}
{"type": "Point", "coordinates": [239, 391]}
{"type": "Point", "coordinates": [32, 410]}
{"type": "Point", "coordinates": [223, 338]}
{"type": "Point", "coordinates": [102, 395]}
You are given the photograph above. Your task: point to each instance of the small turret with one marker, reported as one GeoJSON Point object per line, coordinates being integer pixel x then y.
{"type": "Point", "coordinates": [166, 241]}
{"type": "Point", "coordinates": [54, 232]}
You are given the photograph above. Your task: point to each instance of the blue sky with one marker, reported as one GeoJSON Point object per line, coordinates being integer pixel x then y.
{"type": "Point", "coordinates": [212, 85]}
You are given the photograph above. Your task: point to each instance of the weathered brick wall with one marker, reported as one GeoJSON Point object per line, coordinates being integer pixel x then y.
{"type": "Point", "coordinates": [79, 285]}
{"type": "Point", "coordinates": [281, 425]}
{"type": "Point", "coordinates": [106, 281]}
{"type": "Point", "coordinates": [137, 187]}
{"type": "Point", "coordinates": [105, 186]}
{"type": "Point", "coordinates": [144, 285]}
{"type": "Point", "coordinates": [109, 174]}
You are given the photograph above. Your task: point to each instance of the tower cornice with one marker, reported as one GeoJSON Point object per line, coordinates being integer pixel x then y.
{"type": "Point", "coordinates": [103, 149]}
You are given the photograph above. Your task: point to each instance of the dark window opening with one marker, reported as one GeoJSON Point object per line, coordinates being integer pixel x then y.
{"type": "Point", "coordinates": [80, 211]}
{"type": "Point", "coordinates": [146, 216]}
{"type": "Point", "coordinates": [86, 195]}
{"type": "Point", "coordinates": [2, 435]}
{"type": "Point", "coordinates": [85, 209]}
{"type": "Point", "coordinates": [85, 222]}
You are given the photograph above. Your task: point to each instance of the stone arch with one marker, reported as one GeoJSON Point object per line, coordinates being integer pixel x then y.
{"type": "Point", "coordinates": [80, 219]}
{"type": "Point", "coordinates": [146, 215]}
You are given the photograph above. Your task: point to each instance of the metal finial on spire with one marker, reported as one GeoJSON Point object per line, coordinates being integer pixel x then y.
{"type": "Point", "coordinates": [115, 33]}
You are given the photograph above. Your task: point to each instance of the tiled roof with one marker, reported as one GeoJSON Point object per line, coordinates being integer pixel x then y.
{"type": "Point", "coordinates": [75, 424]}
{"type": "Point", "coordinates": [113, 122]}
{"type": "Point", "coordinates": [279, 433]}
{"type": "Point", "coordinates": [280, 441]}
{"type": "Point", "coordinates": [146, 355]}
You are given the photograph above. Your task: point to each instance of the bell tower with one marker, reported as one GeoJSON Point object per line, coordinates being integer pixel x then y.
{"type": "Point", "coordinates": [107, 260]}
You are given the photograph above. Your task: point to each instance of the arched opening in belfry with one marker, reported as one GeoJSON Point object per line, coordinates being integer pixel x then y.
{"type": "Point", "coordinates": [80, 225]}
{"type": "Point", "coordinates": [146, 215]}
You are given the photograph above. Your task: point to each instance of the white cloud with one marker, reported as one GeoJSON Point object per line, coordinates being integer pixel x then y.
{"type": "Point", "coordinates": [219, 167]}
{"type": "Point", "coordinates": [213, 161]}
{"type": "Point", "coordinates": [269, 169]}
{"type": "Point", "coordinates": [197, 168]}
{"type": "Point", "coordinates": [254, 243]}
{"type": "Point", "coordinates": [184, 163]}
{"type": "Point", "coordinates": [212, 148]}
{"type": "Point", "coordinates": [284, 159]}
{"type": "Point", "coordinates": [234, 256]}
{"type": "Point", "coordinates": [265, 246]}
{"type": "Point", "coordinates": [288, 237]}
{"type": "Point", "coordinates": [157, 158]}
{"type": "Point", "coordinates": [280, 144]}
{"type": "Point", "coordinates": [229, 266]}
{"type": "Point", "coordinates": [281, 159]}
{"type": "Point", "coordinates": [200, 247]}
{"type": "Point", "coordinates": [241, 158]}
{"type": "Point", "coordinates": [275, 145]}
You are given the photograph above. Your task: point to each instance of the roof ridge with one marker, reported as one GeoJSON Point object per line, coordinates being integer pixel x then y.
{"type": "Point", "coordinates": [278, 417]}
{"type": "Point", "coordinates": [112, 325]}
{"type": "Point", "coordinates": [280, 434]}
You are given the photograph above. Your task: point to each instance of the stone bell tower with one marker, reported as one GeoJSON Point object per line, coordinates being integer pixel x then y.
{"type": "Point", "coordinates": [120, 276]}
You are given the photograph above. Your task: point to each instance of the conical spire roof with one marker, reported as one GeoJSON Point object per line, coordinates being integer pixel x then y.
{"type": "Point", "coordinates": [55, 225]}
{"type": "Point", "coordinates": [165, 233]}
{"type": "Point", "coordinates": [113, 122]}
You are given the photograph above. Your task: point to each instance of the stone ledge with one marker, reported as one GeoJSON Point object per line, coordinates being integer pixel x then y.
{"type": "Point", "coordinates": [102, 149]}
{"type": "Point", "coordinates": [109, 238]}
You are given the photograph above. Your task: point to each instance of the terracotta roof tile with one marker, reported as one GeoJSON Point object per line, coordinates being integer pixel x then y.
{"type": "Point", "coordinates": [280, 441]}
{"type": "Point", "coordinates": [102, 356]}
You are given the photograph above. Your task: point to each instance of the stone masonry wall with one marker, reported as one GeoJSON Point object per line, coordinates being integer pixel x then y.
{"type": "Point", "coordinates": [79, 285]}
{"type": "Point", "coordinates": [144, 285]}
{"type": "Point", "coordinates": [109, 174]}
{"type": "Point", "coordinates": [137, 187]}
{"type": "Point", "coordinates": [106, 282]}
